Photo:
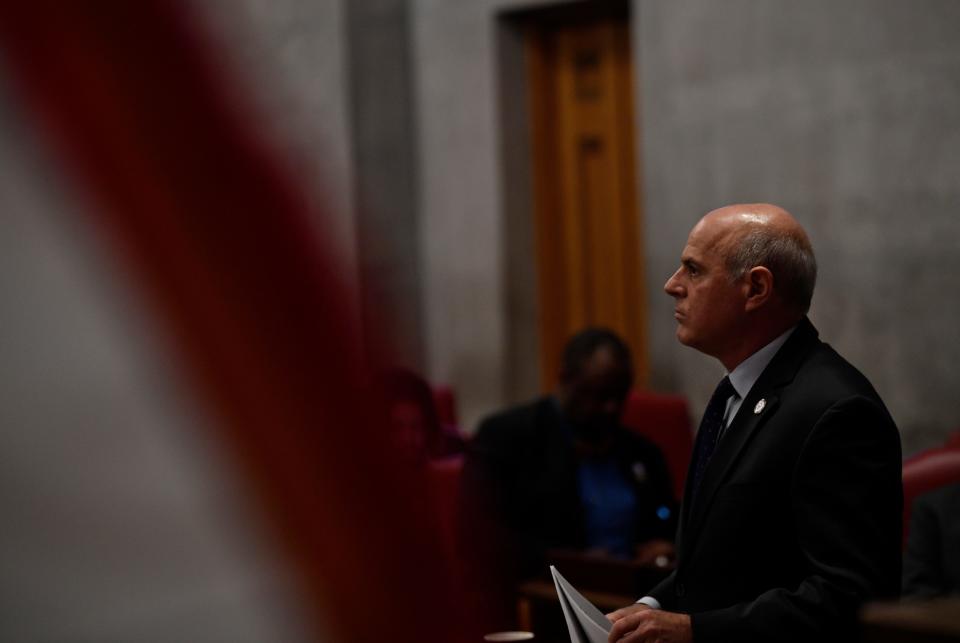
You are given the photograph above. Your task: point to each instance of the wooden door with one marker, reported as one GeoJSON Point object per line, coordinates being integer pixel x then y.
{"type": "Point", "coordinates": [585, 201]}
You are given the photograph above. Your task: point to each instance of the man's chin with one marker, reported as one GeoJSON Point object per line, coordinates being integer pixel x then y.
{"type": "Point", "coordinates": [691, 341]}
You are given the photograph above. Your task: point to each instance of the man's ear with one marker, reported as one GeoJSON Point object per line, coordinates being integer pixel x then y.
{"type": "Point", "coordinates": [759, 286]}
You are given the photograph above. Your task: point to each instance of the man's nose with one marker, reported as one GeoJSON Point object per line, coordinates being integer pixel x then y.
{"type": "Point", "coordinates": [672, 287]}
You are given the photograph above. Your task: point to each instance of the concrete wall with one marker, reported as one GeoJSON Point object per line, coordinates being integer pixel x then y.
{"type": "Point", "coordinates": [845, 113]}
{"type": "Point", "coordinates": [477, 318]}
{"type": "Point", "coordinates": [459, 222]}
{"type": "Point", "coordinates": [385, 170]}
{"type": "Point", "coordinates": [848, 114]}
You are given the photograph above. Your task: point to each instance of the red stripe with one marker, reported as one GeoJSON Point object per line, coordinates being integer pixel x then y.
{"type": "Point", "coordinates": [224, 244]}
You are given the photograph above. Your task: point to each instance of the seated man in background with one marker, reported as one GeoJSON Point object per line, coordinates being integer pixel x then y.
{"type": "Point", "coordinates": [561, 472]}
{"type": "Point", "coordinates": [931, 562]}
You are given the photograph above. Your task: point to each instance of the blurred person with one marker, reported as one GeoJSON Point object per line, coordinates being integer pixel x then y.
{"type": "Point", "coordinates": [791, 518]}
{"type": "Point", "coordinates": [561, 472]}
{"type": "Point", "coordinates": [931, 562]}
{"type": "Point", "coordinates": [415, 426]}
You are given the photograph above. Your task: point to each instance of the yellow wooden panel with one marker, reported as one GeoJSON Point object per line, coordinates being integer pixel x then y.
{"type": "Point", "coordinates": [586, 215]}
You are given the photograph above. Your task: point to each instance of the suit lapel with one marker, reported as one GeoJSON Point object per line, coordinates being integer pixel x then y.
{"type": "Point", "coordinates": [745, 425]}
{"type": "Point", "coordinates": [750, 419]}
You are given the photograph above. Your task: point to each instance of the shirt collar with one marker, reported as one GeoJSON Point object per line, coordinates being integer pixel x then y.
{"type": "Point", "coordinates": [746, 374]}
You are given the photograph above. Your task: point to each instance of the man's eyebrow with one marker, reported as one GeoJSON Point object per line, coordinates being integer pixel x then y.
{"type": "Point", "coordinates": [689, 262]}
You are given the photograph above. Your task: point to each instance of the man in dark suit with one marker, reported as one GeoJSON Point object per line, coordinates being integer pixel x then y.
{"type": "Point", "coordinates": [791, 515]}
{"type": "Point", "coordinates": [560, 472]}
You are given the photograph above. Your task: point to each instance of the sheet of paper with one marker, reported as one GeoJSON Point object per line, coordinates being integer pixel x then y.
{"type": "Point", "coordinates": [577, 635]}
{"type": "Point", "coordinates": [585, 622]}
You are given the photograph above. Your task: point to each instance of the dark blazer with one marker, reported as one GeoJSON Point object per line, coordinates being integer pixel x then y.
{"type": "Point", "coordinates": [798, 519]}
{"type": "Point", "coordinates": [931, 565]}
{"type": "Point", "coordinates": [522, 463]}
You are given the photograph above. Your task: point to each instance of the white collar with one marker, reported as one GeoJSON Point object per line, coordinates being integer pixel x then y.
{"type": "Point", "coordinates": [747, 372]}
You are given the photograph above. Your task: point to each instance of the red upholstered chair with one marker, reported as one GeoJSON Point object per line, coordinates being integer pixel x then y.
{"type": "Point", "coordinates": [926, 471]}
{"type": "Point", "coordinates": [953, 442]}
{"type": "Point", "coordinates": [446, 403]}
{"type": "Point", "coordinates": [665, 421]}
{"type": "Point", "coordinates": [443, 476]}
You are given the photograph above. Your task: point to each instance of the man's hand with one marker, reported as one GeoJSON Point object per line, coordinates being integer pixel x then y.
{"type": "Point", "coordinates": [640, 624]}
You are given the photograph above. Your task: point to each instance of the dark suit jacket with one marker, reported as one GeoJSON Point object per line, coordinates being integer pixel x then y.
{"type": "Point", "coordinates": [931, 566]}
{"type": "Point", "coordinates": [798, 519]}
{"type": "Point", "coordinates": [523, 465]}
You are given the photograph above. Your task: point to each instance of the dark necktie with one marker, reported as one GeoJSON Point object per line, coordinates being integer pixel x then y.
{"type": "Point", "coordinates": [710, 427]}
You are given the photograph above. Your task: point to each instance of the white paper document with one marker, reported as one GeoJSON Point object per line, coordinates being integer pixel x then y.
{"type": "Point", "coordinates": [585, 622]}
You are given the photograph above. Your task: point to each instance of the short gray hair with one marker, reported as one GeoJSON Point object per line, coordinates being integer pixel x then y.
{"type": "Point", "coordinates": [789, 257]}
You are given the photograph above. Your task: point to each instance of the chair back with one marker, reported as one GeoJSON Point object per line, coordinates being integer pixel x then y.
{"type": "Point", "coordinates": [926, 471]}
{"type": "Point", "coordinates": [953, 442]}
{"type": "Point", "coordinates": [443, 476]}
{"type": "Point", "coordinates": [665, 421]}
{"type": "Point", "coordinates": [446, 404]}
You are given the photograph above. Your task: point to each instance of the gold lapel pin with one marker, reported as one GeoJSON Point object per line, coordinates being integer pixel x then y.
{"type": "Point", "coordinates": [759, 407]}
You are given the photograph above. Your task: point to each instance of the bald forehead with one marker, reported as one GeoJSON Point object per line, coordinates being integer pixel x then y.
{"type": "Point", "coordinates": [758, 213]}
{"type": "Point", "coordinates": [730, 222]}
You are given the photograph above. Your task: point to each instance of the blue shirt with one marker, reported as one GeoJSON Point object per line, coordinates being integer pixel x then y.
{"type": "Point", "coordinates": [608, 500]}
{"type": "Point", "coordinates": [609, 507]}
